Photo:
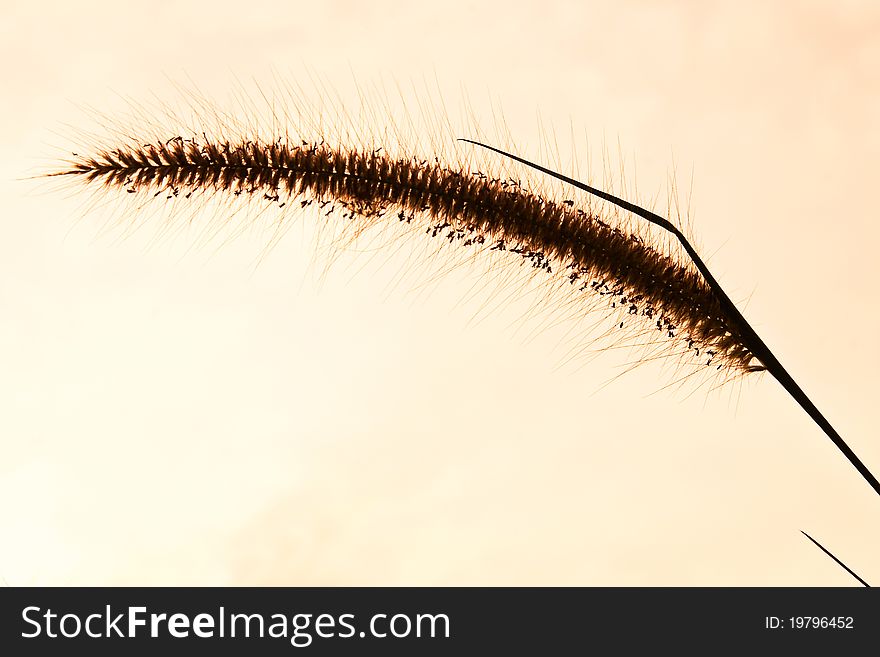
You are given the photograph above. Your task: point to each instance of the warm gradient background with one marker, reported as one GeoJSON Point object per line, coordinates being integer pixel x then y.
{"type": "Point", "coordinates": [170, 416]}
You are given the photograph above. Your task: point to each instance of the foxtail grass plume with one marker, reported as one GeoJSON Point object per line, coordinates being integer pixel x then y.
{"type": "Point", "coordinates": [573, 247]}
{"type": "Point", "coordinates": [368, 177]}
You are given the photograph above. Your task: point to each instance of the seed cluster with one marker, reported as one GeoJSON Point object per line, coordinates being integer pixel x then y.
{"type": "Point", "coordinates": [460, 206]}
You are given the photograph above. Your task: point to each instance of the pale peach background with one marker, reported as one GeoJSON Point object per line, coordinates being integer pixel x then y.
{"type": "Point", "coordinates": [170, 416]}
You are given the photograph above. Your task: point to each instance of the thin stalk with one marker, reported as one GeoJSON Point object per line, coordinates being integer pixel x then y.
{"type": "Point", "coordinates": [839, 562]}
{"type": "Point", "coordinates": [750, 338]}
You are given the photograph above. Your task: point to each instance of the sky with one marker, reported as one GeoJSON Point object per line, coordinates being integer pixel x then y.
{"type": "Point", "coordinates": [174, 412]}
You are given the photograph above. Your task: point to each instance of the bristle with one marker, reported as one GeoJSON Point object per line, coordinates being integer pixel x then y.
{"type": "Point", "coordinates": [566, 243]}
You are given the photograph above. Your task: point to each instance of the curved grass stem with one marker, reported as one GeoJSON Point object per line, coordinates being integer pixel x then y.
{"type": "Point", "coordinates": [750, 338]}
